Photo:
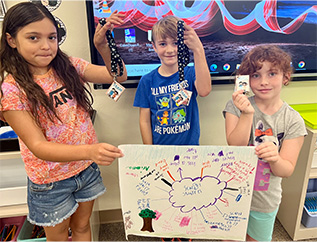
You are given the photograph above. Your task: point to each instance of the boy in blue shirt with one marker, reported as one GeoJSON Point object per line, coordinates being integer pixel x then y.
{"type": "Point", "coordinates": [163, 120]}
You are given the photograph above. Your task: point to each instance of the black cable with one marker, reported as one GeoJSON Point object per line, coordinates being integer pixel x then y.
{"type": "Point", "coordinates": [115, 56]}
{"type": "Point", "coordinates": [182, 50]}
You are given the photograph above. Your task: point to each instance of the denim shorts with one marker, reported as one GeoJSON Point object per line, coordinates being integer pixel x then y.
{"type": "Point", "coordinates": [261, 225]}
{"type": "Point", "coordinates": [49, 204]}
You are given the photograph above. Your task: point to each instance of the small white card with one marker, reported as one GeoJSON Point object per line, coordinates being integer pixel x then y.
{"type": "Point", "coordinates": [242, 83]}
{"type": "Point", "coordinates": [115, 90]}
{"type": "Point", "coordinates": [182, 97]}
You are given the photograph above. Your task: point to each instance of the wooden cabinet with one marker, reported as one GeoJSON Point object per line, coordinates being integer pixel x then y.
{"type": "Point", "coordinates": [294, 191]}
{"type": "Point", "coordinates": [21, 208]}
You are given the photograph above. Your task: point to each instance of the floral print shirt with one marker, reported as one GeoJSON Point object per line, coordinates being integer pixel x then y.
{"type": "Point", "coordinates": [76, 127]}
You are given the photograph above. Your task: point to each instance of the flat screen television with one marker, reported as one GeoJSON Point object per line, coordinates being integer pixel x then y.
{"type": "Point", "coordinates": [227, 29]}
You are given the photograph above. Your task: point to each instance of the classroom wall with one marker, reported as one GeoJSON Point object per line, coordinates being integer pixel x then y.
{"type": "Point", "coordinates": [117, 122]}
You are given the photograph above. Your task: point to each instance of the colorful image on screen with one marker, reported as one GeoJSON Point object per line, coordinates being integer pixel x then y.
{"type": "Point", "coordinates": [228, 30]}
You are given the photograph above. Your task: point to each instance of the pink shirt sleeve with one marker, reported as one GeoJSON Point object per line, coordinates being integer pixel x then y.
{"type": "Point", "coordinates": [80, 65]}
{"type": "Point", "coordinates": [13, 97]}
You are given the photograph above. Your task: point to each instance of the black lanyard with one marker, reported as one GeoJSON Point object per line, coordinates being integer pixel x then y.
{"type": "Point", "coordinates": [182, 50]}
{"type": "Point", "coordinates": [115, 56]}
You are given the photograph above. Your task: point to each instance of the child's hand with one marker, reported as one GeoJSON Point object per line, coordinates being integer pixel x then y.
{"type": "Point", "coordinates": [100, 33]}
{"type": "Point", "coordinates": [242, 102]}
{"type": "Point", "coordinates": [191, 39]}
{"type": "Point", "coordinates": [115, 19]}
{"type": "Point", "coordinates": [104, 154]}
{"type": "Point", "coordinates": [267, 151]}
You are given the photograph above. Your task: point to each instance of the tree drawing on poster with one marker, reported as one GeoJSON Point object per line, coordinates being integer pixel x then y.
{"type": "Point", "coordinates": [201, 192]}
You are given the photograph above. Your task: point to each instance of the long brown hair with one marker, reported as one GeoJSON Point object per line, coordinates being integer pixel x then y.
{"type": "Point", "coordinates": [11, 62]}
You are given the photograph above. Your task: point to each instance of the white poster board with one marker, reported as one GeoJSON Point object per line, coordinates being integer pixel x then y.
{"type": "Point", "coordinates": [201, 192]}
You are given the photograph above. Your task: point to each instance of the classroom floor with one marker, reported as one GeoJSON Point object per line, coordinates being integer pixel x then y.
{"type": "Point", "coordinates": [115, 232]}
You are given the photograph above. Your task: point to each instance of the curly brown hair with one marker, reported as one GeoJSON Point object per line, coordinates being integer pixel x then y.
{"type": "Point", "coordinates": [254, 59]}
{"type": "Point", "coordinates": [11, 62]}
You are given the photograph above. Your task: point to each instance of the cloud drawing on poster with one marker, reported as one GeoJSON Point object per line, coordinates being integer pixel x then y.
{"type": "Point", "coordinates": [196, 193]}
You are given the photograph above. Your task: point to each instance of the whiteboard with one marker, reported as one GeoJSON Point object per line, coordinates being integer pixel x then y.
{"type": "Point", "coordinates": [201, 192]}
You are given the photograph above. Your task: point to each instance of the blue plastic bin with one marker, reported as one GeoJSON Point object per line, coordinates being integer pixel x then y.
{"type": "Point", "coordinates": [309, 219]}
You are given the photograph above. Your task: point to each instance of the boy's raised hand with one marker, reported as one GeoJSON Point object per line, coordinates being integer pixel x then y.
{"type": "Point", "coordinates": [203, 79]}
{"type": "Point", "coordinates": [191, 39]}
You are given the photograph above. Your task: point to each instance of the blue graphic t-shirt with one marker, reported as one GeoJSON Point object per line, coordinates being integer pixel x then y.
{"type": "Point", "coordinates": [172, 124]}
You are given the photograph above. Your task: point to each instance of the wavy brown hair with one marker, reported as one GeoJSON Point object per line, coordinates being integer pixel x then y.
{"type": "Point", "coordinates": [253, 60]}
{"type": "Point", "coordinates": [11, 62]}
